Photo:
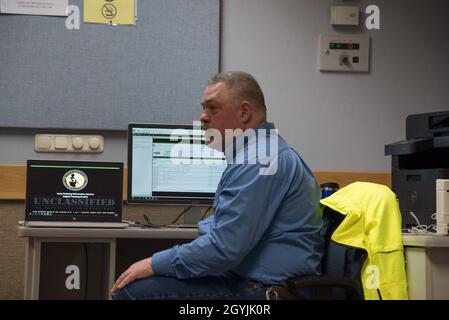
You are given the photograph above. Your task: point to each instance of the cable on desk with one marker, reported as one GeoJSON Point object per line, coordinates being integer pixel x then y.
{"type": "Point", "coordinates": [206, 212]}
{"type": "Point", "coordinates": [149, 224]}
{"type": "Point", "coordinates": [423, 228]}
{"type": "Point", "coordinates": [180, 215]}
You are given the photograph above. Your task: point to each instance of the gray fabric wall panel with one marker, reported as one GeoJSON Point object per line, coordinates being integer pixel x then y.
{"type": "Point", "coordinates": [103, 77]}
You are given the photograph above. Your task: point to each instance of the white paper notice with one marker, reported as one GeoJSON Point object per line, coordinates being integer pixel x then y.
{"type": "Point", "coordinates": [35, 7]}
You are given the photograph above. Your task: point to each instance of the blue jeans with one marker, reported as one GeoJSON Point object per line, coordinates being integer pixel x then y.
{"type": "Point", "coordinates": [222, 287]}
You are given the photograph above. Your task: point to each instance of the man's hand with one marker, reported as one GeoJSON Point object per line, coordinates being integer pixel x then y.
{"type": "Point", "coordinates": [138, 270]}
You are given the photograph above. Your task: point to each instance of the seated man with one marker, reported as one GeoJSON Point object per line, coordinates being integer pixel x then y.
{"type": "Point", "coordinates": [266, 222]}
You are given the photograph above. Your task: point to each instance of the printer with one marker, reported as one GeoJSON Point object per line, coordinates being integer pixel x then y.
{"type": "Point", "coordinates": [417, 162]}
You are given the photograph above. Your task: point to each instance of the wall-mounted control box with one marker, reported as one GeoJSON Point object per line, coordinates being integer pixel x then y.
{"type": "Point", "coordinates": [69, 143]}
{"type": "Point", "coordinates": [344, 15]}
{"type": "Point", "coordinates": [344, 52]}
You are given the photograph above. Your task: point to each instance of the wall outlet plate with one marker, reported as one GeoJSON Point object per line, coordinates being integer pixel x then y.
{"type": "Point", "coordinates": [68, 143]}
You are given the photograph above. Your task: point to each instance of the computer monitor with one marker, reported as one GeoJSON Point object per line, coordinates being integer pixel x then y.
{"type": "Point", "coordinates": [81, 191]}
{"type": "Point", "coordinates": [171, 164]}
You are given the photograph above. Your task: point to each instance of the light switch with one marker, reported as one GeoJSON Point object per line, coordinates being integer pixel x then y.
{"type": "Point", "coordinates": [77, 142]}
{"type": "Point", "coordinates": [61, 143]}
{"type": "Point", "coordinates": [43, 142]}
{"type": "Point", "coordinates": [94, 143]}
{"type": "Point", "coordinates": [69, 143]}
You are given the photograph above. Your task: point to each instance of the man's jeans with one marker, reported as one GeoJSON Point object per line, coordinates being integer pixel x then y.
{"type": "Point", "coordinates": [212, 287]}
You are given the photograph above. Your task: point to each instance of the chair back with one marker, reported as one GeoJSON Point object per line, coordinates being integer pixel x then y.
{"type": "Point", "coordinates": [340, 260]}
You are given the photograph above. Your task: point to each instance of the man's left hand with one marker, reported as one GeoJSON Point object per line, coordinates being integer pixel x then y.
{"type": "Point", "coordinates": [138, 270]}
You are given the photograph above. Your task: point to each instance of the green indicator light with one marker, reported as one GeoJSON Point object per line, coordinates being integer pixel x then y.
{"type": "Point", "coordinates": [338, 45]}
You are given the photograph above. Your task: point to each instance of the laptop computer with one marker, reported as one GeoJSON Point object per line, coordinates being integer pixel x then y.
{"type": "Point", "coordinates": [74, 194]}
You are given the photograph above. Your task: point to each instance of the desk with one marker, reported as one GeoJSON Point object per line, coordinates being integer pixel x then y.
{"type": "Point", "coordinates": [427, 257]}
{"type": "Point", "coordinates": [111, 245]}
{"type": "Point", "coordinates": [427, 265]}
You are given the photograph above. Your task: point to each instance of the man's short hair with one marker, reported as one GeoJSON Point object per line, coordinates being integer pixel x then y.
{"type": "Point", "coordinates": [244, 84]}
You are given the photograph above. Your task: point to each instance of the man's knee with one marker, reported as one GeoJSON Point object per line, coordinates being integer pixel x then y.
{"type": "Point", "coordinates": [122, 294]}
{"type": "Point", "coordinates": [140, 289]}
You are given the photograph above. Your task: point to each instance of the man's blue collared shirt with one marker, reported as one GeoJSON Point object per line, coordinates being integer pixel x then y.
{"type": "Point", "coordinates": [265, 227]}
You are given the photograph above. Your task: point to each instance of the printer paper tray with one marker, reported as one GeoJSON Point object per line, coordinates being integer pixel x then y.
{"type": "Point", "coordinates": [411, 146]}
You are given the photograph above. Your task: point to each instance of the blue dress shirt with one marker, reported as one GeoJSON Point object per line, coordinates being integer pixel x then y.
{"type": "Point", "coordinates": [265, 227]}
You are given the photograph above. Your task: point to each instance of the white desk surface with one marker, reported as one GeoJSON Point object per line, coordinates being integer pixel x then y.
{"type": "Point", "coordinates": [414, 240]}
{"type": "Point", "coordinates": [129, 232]}
{"type": "Point", "coordinates": [410, 240]}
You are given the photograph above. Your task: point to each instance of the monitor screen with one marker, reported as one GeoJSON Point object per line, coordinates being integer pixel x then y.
{"type": "Point", "coordinates": [171, 164]}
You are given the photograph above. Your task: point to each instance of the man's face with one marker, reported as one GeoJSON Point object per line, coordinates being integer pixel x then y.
{"type": "Point", "coordinates": [220, 111]}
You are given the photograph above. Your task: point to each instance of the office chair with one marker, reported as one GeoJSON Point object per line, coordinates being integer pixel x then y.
{"type": "Point", "coordinates": [362, 230]}
{"type": "Point", "coordinates": [341, 266]}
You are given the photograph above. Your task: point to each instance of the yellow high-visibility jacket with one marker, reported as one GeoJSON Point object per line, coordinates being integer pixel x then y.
{"type": "Point", "coordinates": [373, 222]}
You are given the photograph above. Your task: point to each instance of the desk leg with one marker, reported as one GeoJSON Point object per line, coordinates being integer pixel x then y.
{"type": "Point", "coordinates": [28, 268]}
{"type": "Point", "coordinates": [32, 269]}
{"type": "Point", "coordinates": [111, 264]}
{"type": "Point", "coordinates": [36, 269]}
{"type": "Point", "coordinates": [419, 273]}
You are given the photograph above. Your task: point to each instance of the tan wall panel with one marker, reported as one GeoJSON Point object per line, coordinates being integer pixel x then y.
{"type": "Point", "coordinates": [12, 180]}
{"type": "Point", "coordinates": [345, 178]}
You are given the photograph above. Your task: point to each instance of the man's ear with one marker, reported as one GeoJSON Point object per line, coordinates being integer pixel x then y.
{"type": "Point", "coordinates": [245, 112]}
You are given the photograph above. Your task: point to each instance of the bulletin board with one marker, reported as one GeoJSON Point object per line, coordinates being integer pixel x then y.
{"type": "Point", "coordinates": [103, 77]}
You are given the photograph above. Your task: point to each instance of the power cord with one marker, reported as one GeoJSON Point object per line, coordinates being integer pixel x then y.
{"type": "Point", "coordinates": [149, 224]}
{"type": "Point", "coordinates": [205, 213]}
{"type": "Point", "coordinates": [440, 228]}
{"type": "Point", "coordinates": [423, 228]}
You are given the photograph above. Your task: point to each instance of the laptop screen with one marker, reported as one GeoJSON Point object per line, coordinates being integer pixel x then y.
{"type": "Point", "coordinates": [74, 191]}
